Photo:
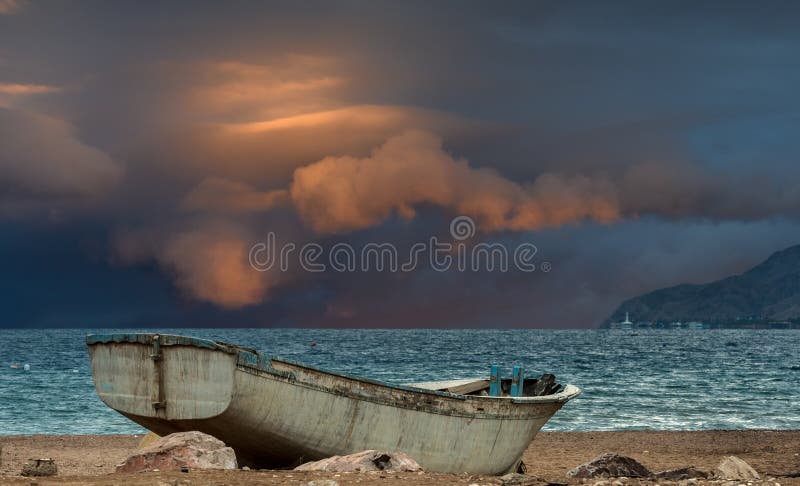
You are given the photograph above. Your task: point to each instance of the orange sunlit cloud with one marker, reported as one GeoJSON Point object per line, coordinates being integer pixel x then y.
{"type": "Point", "coordinates": [238, 91]}
{"type": "Point", "coordinates": [339, 194]}
{"type": "Point", "coordinates": [208, 261]}
{"type": "Point", "coordinates": [12, 93]}
{"type": "Point", "coordinates": [26, 89]}
{"type": "Point", "coordinates": [213, 267]}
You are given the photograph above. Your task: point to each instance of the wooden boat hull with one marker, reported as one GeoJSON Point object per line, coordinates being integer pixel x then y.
{"type": "Point", "coordinates": [278, 413]}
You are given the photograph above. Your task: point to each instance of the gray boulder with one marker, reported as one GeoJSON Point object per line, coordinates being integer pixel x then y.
{"type": "Point", "coordinates": [364, 461]}
{"type": "Point", "coordinates": [193, 450]}
{"type": "Point", "coordinates": [610, 466]}
{"type": "Point", "coordinates": [735, 469]}
{"type": "Point", "coordinates": [40, 468]}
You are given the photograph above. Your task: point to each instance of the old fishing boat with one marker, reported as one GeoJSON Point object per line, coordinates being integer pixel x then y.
{"type": "Point", "coordinates": [277, 413]}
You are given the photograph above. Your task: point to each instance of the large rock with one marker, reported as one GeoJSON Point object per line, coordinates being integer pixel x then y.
{"type": "Point", "coordinates": [194, 450]}
{"type": "Point", "coordinates": [735, 469]}
{"type": "Point", "coordinates": [610, 466]}
{"type": "Point", "coordinates": [40, 467]}
{"type": "Point", "coordinates": [364, 461]}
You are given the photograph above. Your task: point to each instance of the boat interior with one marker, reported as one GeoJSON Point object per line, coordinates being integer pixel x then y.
{"type": "Point", "coordinates": [532, 387]}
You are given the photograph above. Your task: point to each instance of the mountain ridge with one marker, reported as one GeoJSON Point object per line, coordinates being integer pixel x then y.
{"type": "Point", "coordinates": [768, 292]}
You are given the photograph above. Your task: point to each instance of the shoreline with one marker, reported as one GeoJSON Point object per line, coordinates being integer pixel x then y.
{"type": "Point", "coordinates": [91, 459]}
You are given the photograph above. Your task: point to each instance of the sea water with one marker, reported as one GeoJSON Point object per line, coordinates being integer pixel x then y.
{"type": "Point", "coordinates": [643, 379]}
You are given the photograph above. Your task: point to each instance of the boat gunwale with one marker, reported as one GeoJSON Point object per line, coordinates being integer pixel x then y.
{"type": "Point", "coordinates": [569, 392]}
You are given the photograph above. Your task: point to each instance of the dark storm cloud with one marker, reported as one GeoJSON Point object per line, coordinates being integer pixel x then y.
{"type": "Point", "coordinates": [185, 132]}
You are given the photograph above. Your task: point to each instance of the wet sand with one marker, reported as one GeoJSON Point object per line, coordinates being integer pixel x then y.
{"type": "Point", "coordinates": [90, 460]}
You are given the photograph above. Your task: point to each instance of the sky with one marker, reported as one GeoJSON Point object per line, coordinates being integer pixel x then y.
{"type": "Point", "coordinates": [146, 149]}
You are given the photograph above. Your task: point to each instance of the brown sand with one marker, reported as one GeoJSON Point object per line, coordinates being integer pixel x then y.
{"type": "Point", "coordinates": [90, 460]}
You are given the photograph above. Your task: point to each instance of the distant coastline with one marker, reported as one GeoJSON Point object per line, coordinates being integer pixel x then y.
{"type": "Point", "coordinates": [696, 325]}
{"type": "Point", "coordinates": [765, 297]}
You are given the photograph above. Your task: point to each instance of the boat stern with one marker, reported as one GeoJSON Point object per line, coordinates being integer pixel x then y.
{"type": "Point", "coordinates": [162, 376]}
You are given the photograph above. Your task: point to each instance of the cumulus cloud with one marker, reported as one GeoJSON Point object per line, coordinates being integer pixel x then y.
{"type": "Point", "coordinates": [41, 160]}
{"type": "Point", "coordinates": [208, 261]}
{"type": "Point", "coordinates": [346, 193]}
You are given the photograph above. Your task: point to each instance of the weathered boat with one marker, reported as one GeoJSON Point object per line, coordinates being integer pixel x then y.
{"type": "Point", "coordinates": [278, 413]}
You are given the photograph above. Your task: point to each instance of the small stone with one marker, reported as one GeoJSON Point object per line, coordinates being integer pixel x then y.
{"type": "Point", "coordinates": [517, 479]}
{"type": "Point", "coordinates": [40, 467]}
{"type": "Point", "coordinates": [245, 468]}
{"type": "Point", "coordinates": [321, 482]}
{"type": "Point", "coordinates": [601, 483]}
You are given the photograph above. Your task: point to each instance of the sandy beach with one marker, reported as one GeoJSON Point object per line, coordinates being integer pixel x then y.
{"type": "Point", "coordinates": [91, 459]}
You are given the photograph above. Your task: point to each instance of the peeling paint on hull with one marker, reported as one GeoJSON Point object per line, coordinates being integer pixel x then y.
{"type": "Point", "coordinates": [279, 413]}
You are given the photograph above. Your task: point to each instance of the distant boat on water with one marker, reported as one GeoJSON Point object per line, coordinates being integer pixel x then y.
{"type": "Point", "coordinates": [279, 413]}
{"type": "Point", "coordinates": [626, 324]}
